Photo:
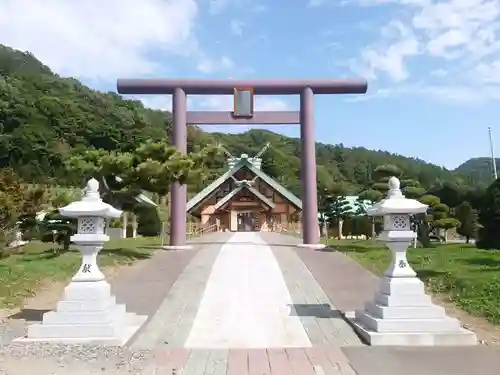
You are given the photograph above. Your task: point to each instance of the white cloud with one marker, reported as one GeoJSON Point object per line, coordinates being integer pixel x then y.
{"type": "Point", "coordinates": [460, 37]}
{"type": "Point", "coordinates": [487, 73]}
{"type": "Point", "coordinates": [315, 3]}
{"type": "Point", "coordinates": [388, 56]}
{"type": "Point", "coordinates": [439, 72]}
{"type": "Point", "coordinates": [236, 27]}
{"type": "Point", "coordinates": [218, 6]}
{"type": "Point", "coordinates": [467, 25]}
{"type": "Point", "coordinates": [258, 8]}
{"type": "Point", "coordinates": [440, 45]}
{"type": "Point", "coordinates": [463, 94]}
{"type": "Point", "coordinates": [99, 39]}
{"type": "Point", "coordinates": [263, 103]}
{"type": "Point", "coordinates": [161, 102]}
{"type": "Point", "coordinates": [209, 65]}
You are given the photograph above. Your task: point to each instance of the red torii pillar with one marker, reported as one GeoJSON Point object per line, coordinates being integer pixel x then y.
{"type": "Point", "coordinates": [306, 88]}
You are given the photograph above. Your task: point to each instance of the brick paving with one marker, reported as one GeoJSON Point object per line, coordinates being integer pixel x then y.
{"type": "Point", "coordinates": [475, 360]}
{"type": "Point", "coordinates": [274, 361]}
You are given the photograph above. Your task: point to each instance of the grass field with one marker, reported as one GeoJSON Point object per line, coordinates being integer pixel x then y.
{"type": "Point", "coordinates": [21, 274]}
{"type": "Point", "coordinates": [469, 277]}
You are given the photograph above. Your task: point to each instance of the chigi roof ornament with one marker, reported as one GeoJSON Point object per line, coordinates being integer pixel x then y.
{"type": "Point", "coordinates": [255, 160]}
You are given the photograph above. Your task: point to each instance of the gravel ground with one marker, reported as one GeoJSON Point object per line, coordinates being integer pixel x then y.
{"type": "Point", "coordinates": [51, 359]}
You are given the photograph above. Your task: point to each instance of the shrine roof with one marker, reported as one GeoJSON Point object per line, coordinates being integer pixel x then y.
{"type": "Point", "coordinates": [244, 163]}
{"type": "Point", "coordinates": [252, 190]}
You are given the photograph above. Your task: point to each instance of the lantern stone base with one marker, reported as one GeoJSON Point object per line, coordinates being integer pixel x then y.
{"type": "Point", "coordinates": [402, 314]}
{"type": "Point", "coordinates": [88, 314]}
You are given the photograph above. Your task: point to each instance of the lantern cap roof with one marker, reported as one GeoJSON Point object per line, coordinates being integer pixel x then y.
{"type": "Point", "coordinates": [396, 202]}
{"type": "Point", "coordinates": [91, 204]}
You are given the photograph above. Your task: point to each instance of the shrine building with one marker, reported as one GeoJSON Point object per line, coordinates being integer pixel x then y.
{"type": "Point", "coordinates": [244, 198]}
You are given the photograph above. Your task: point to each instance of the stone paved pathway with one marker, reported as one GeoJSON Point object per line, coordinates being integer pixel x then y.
{"type": "Point", "coordinates": [247, 304]}
{"type": "Point", "coordinates": [172, 321]}
{"type": "Point", "coordinates": [252, 308]}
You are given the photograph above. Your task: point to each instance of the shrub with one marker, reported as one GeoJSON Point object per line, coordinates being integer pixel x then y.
{"type": "Point", "coordinates": [148, 222]}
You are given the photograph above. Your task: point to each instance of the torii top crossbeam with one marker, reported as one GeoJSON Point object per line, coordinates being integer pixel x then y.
{"type": "Point", "coordinates": [226, 86]}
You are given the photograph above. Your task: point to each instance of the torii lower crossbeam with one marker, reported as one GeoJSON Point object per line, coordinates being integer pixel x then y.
{"type": "Point", "coordinates": [306, 88]}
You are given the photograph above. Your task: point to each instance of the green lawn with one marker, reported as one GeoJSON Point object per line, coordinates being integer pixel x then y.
{"type": "Point", "coordinates": [21, 274]}
{"type": "Point", "coordinates": [469, 277]}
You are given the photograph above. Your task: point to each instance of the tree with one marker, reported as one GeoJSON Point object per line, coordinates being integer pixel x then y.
{"type": "Point", "coordinates": [446, 224]}
{"type": "Point", "coordinates": [489, 218]}
{"type": "Point", "coordinates": [333, 206]}
{"type": "Point", "coordinates": [378, 190]}
{"type": "Point", "coordinates": [149, 223]}
{"type": "Point", "coordinates": [152, 167]}
{"type": "Point", "coordinates": [412, 189]}
{"type": "Point", "coordinates": [449, 193]}
{"type": "Point", "coordinates": [19, 204]}
{"type": "Point", "coordinates": [58, 228]}
{"type": "Point", "coordinates": [468, 220]}
{"type": "Point", "coordinates": [323, 209]}
{"type": "Point", "coordinates": [338, 212]}
{"type": "Point", "coordinates": [436, 219]}
{"type": "Point", "coordinates": [360, 222]}
{"type": "Point", "coordinates": [474, 195]}
{"type": "Point", "coordinates": [371, 195]}
{"type": "Point", "coordinates": [381, 176]}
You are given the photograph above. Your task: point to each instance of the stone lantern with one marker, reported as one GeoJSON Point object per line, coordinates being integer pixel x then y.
{"type": "Point", "coordinates": [88, 312]}
{"type": "Point", "coordinates": [401, 313]}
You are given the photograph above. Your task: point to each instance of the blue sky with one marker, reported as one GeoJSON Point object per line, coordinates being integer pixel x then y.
{"type": "Point", "coordinates": [433, 67]}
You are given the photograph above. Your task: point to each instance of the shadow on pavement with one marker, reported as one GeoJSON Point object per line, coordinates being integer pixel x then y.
{"type": "Point", "coordinates": [30, 315]}
{"type": "Point", "coordinates": [467, 360]}
{"type": "Point", "coordinates": [316, 310]}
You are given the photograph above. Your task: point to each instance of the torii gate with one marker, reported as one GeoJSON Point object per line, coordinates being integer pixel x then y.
{"type": "Point", "coordinates": [244, 91]}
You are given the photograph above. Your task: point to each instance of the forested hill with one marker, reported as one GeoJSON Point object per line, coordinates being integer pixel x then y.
{"type": "Point", "coordinates": [478, 169]}
{"type": "Point", "coordinates": [44, 118]}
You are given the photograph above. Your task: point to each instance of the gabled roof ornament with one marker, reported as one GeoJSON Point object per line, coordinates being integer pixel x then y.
{"type": "Point", "coordinates": [256, 160]}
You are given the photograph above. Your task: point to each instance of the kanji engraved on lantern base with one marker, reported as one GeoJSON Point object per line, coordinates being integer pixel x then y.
{"type": "Point", "coordinates": [400, 312]}
{"type": "Point", "coordinates": [88, 313]}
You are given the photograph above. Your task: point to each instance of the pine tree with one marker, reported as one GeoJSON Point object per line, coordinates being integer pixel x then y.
{"type": "Point", "coordinates": [468, 220]}
{"type": "Point", "coordinates": [489, 218]}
